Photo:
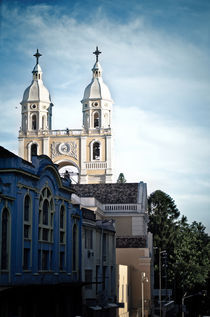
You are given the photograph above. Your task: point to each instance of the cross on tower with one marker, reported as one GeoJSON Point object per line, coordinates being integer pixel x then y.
{"type": "Point", "coordinates": [37, 55]}
{"type": "Point", "coordinates": [97, 52]}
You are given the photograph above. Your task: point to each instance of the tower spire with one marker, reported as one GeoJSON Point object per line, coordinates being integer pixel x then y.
{"type": "Point", "coordinates": [97, 52]}
{"type": "Point", "coordinates": [37, 55]}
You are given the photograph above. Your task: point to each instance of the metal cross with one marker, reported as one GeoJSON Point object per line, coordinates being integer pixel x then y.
{"type": "Point", "coordinates": [37, 55]}
{"type": "Point", "coordinates": [97, 52]}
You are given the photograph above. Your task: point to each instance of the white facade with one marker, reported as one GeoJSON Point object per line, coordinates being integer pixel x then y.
{"type": "Point", "coordinates": [87, 149]}
{"type": "Point", "coordinates": [98, 262]}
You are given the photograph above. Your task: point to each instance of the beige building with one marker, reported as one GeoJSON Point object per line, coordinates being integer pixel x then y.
{"type": "Point", "coordinates": [126, 204]}
{"type": "Point", "coordinates": [87, 150]}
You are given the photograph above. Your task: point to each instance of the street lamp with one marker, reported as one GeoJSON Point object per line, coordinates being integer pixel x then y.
{"type": "Point", "coordinates": [185, 297]}
{"type": "Point", "coordinates": [143, 279]}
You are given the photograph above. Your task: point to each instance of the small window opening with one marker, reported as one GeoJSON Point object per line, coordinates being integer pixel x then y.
{"type": "Point", "coordinates": [96, 120]}
{"type": "Point", "coordinates": [45, 212]}
{"type": "Point", "coordinates": [34, 122]}
{"type": "Point", "coordinates": [96, 151]}
{"type": "Point", "coordinates": [33, 150]}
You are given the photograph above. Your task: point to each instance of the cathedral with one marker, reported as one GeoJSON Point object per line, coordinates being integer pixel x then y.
{"type": "Point", "coordinates": [87, 150]}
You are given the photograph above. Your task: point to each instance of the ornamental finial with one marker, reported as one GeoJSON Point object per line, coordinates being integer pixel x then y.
{"type": "Point", "coordinates": [37, 55]}
{"type": "Point", "coordinates": [97, 52]}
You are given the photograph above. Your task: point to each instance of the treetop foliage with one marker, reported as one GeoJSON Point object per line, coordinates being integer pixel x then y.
{"type": "Point", "coordinates": [187, 245]}
{"type": "Point", "coordinates": [121, 178]}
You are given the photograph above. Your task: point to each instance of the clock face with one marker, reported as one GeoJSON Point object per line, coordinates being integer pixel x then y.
{"type": "Point", "coordinates": [64, 148]}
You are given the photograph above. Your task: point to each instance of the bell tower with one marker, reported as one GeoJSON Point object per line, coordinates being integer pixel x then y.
{"type": "Point", "coordinates": [88, 150]}
{"type": "Point", "coordinates": [97, 111]}
{"type": "Point", "coordinates": [97, 102]}
{"type": "Point", "coordinates": [36, 116]}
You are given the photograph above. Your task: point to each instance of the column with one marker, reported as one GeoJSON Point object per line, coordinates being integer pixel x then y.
{"type": "Point", "coordinates": [83, 159]}
{"type": "Point", "coordinates": [45, 146]}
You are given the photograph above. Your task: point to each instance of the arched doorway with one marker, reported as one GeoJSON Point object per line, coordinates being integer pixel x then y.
{"type": "Point", "coordinates": [69, 169]}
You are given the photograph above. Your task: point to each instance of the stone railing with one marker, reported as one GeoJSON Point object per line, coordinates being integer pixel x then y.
{"type": "Point", "coordinates": [121, 207]}
{"type": "Point", "coordinates": [99, 131]}
{"type": "Point", "coordinates": [66, 132]}
{"type": "Point", "coordinates": [96, 165]}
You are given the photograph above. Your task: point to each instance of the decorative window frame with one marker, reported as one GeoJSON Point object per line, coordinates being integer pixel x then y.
{"type": "Point", "coordinates": [8, 248]}
{"type": "Point", "coordinates": [31, 121]}
{"type": "Point", "coordinates": [99, 119]}
{"type": "Point", "coordinates": [62, 244]}
{"type": "Point", "coordinates": [29, 149]}
{"type": "Point", "coordinates": [28, 224]}
{"type": "Point", "coordinates": [91, 150]}
{"type": "Point", "coordinates": [75, 244]}
{"type": "Point", "coordinates": [46, 194]}
{"type": "Point", "coordinates": [62, 229]}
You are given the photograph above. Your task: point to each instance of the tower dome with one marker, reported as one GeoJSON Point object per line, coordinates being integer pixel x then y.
{"type": "Point", "coordinates": [97, 89]}
{"type": "Point", "coordinates": [97, 101]}
{"type": "Point", "coordinates": [36, 104]}
{"type": "Point", "coordinates": [36, 92]}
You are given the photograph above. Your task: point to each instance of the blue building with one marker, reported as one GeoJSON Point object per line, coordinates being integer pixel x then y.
{"type": "Point", "coordinates": [40, 239]}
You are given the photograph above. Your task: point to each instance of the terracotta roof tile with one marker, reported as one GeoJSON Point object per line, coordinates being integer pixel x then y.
{"type": "Point", "coordinates": [113, 193]}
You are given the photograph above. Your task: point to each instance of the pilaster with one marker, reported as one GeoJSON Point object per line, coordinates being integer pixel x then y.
{"type": "Point", "coordinates": [21, 147]}
{"type": "Point", "coordinates": [45, 146]}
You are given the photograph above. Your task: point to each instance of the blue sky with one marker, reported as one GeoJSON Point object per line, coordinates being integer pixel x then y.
{"type": "Point", "coordinates": [155, 60]}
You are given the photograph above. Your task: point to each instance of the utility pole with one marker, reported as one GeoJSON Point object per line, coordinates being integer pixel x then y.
{"type": "Point", "coordinates": [160, 279]}
{"type": "Point", "coordinates": [160, 288]}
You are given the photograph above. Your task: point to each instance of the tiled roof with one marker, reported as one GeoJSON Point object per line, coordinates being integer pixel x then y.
{"type": "Point", "coordinates": [114, 193]}
{"type": "Point", "coordinates": [131, 242]}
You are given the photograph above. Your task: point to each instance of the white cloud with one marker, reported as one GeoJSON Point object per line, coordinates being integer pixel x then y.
{"type": "Point", "coordinates": [159, 83]}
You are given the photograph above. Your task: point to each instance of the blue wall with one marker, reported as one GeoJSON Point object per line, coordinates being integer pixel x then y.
{"type": "Point", "coordinates": [19, 178]}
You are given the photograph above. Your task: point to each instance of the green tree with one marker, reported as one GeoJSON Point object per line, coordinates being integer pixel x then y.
{"type": "Point", "coordinates": [163, 223]}
{"type": "Point", "coordinates": [163, 215]}
{"type": "Point", "coordinates": [121, 178]}
{"type": "Point", "coordinates": [187, 246]}
{"type": "Point", "coordinates": [192, 258]}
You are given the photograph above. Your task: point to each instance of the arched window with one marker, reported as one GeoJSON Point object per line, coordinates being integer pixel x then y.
{"type": "Point", "coordinates": [62, 224]}
{"type": "Point", "coordinates": [74, 248]}
{"type": "Point", "coordinates": [33, 150]}
{"type": "Point", "coordinates": [96, 120]}
{"type": "Point", "coordinates": [46, 211]}
{"type": "Point", "coordinates": [5, 231]}
{"type": "Point", "coordinates": [33, 122]}
{"type": "Point", "coordinates": [27, 217]}
{"type": "Point", "coordinates": [27, 232]}
{"type": "Point", "coordinates": [96, 151]}
{"type": "Point", "coordinates": [26, 208]}
{"type": "Point", "coordinates": [62, 238]}
{"type": "Point", "coordinates": [46, 223]}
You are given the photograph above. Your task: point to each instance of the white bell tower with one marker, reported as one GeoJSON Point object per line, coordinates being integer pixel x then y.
{"type": "Point", "coordinates": [36, 114]}
{"type": "Point", "coordinates": [97, 102]}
